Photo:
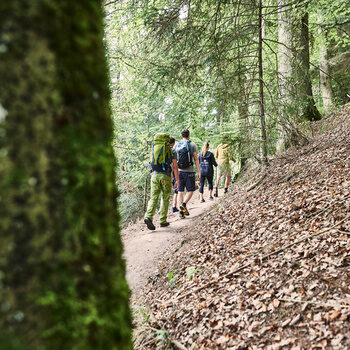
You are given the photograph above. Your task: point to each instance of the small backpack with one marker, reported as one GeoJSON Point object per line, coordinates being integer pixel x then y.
{"type": "Point", "coordinates": [161, 153]}
{"type": "Point", "coordinates": [204, 163]}
{"type": "Point", "coordinates": [184, 156]}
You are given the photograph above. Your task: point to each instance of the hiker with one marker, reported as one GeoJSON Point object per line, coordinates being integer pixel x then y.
{"type": "Point", "coordinates": [206, 162]}
{"type": "Point", "coordinates": [162, 163]}
{"type": "Point", "coordinates": [223, 156]}
{"type": "Point", "coordinates": [186, 151]}
{"type": "Point", "coordinates": [174, 207]}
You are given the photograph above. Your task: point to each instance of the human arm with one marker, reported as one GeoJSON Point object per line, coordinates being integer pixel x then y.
{"type": "Point", "coordinates": [176, 173]}
{"type": "Point", "coordinates": [196, 160]}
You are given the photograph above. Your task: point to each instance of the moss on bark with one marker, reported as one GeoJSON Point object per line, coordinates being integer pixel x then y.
{"type": "Point", "coordinates": [63, 281]}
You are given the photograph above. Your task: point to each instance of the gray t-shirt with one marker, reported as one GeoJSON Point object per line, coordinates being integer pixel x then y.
{"type": "Point", "coordinates": [190, 169]}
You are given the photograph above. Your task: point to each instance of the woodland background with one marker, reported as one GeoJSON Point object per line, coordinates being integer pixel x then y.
{"type": "Point", "coordinates": [258, 71]}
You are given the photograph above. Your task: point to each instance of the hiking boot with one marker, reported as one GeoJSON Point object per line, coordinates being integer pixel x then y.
{"type": "Point", "coordinates": [211, 198]}
{"type": "Point", "coordinates": [202, 201]}
{"type": "Point", "coordinates": [149, 224]}
{"type": "Point", "coordinates": [164, 224]}
{"type": "Point", "coordinates": [225, 190]}
{"type": "Point", "coordinates": [175, 210]}
{"type": "Point", "coordinates": [216, 194]}
{"type": "Point", "coordinates": [181, 215]}
{"type": "Point", "coordinates": [184, 209]}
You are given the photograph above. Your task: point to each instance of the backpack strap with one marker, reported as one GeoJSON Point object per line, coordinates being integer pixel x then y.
{"type": "Point", "coordinates": [188, 145]}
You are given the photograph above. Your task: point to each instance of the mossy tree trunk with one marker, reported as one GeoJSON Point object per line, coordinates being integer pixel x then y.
{"type": "Point", "coordinates": [62, 283]}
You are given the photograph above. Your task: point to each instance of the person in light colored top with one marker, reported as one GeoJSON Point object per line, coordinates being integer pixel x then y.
{"type": "Point", "coordinates": [223, 155]}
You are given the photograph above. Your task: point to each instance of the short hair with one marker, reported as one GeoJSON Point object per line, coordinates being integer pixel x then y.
{"type": "Point", "coordinates": [172, 140]}
{"type": "Point", "coordinates": [185, 133]}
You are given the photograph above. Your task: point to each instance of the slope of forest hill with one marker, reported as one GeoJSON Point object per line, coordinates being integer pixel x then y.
{"type": "Point", "coordinates": [269, 267]}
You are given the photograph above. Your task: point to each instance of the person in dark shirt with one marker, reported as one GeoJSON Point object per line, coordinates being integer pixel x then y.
{"type": "Point", "coordinates": [206, 163]}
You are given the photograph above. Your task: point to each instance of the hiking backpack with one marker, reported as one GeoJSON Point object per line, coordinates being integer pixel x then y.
{"type": "Point", "coordinates": [184, 156]}
{"type": "Point", "coordinates": [204, 162]}
{"type": "Point", "coordinates": [161, 153]}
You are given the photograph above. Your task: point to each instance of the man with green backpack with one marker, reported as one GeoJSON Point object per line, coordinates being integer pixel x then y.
{"type": "Point", "coordinates": [162, 163]}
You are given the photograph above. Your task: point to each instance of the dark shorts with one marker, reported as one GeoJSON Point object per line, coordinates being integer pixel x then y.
{"type": "Point", "coordinates": [187, 180]}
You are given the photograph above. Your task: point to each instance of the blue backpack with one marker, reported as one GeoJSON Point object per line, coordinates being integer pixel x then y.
{"type": "Point", "coordinates": [204, 163]}
{"type": "Point", "coordinates": [184, 156]}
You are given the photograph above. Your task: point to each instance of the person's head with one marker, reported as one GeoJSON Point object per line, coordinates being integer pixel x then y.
{"type": "Point", "coordinates": [172, 141]}
{"type": "Point", "coordinates": [185, 134]}
{"type": "Point", "coordinates": [205, 148]}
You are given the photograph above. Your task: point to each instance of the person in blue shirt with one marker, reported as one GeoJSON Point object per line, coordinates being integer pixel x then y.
{"type": "Point", "coordinates": [206, 163]}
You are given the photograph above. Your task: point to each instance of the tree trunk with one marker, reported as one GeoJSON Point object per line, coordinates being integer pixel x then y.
{"type": "Point", "coordinates": [325, 80]}
{"type": "Point", "coordinates": [263, 147]}
{"type": "Point", "coordinates": [285, 42]}
{"type": "Point", "coordinates": [309, 110]}
{"type": "Point", "coordinates": [63, 284]}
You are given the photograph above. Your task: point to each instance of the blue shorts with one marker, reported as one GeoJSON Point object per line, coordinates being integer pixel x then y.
{"type": "Point", "coordinates": [187, 181]}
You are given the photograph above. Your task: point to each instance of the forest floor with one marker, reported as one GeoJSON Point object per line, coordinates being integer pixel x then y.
{"type": "Point", "coordinates": [144, 249]}
{"type": "Point", "coordinates": [268, 267]}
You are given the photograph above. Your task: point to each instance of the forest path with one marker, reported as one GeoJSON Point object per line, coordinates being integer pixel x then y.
{"type": "Point", "coordinates": [144, 249]}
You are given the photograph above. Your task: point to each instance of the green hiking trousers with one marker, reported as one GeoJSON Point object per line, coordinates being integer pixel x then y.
{"type": "Point", "coordinates": [160, 186]}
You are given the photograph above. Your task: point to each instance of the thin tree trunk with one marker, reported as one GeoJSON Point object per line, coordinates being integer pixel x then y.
{"type": "Point", "coordinates": [147, 175]}
{"type": "Point", "coordinates": [325, 80]}
{"type": "Point", "coordinates": [309, 109]}
{"type": "Point", "coordinates": [263, 148]}
{"type": "Point", "coordinates": [284, 73]}
{"type": "Point", "coordinates": [63, 283]}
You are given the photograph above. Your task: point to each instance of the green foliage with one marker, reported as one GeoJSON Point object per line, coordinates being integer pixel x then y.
{"type": "Point", "coordinates": [181, 64]}
{"type": "Point", "coordinates": [172, 279]}
{"type": "Point", "coordinates": [162, 337]}
{"type": "Point", "coordinates": [191, 271]}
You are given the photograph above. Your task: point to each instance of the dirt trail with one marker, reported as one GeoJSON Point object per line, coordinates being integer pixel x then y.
{"type": "Point", "coordinates": [143, 249]}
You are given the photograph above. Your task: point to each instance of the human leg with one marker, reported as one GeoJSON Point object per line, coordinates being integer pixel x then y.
{"type": "Point", "coordinates": [201, 187]}
{"type": "Point", "coordinates": [153, 201]}
{"type": "Point", "coordinates": [165, 184]}
{"type": "Point", "coordinates": [210, 186]}
{"type": "Point", "coordinates": [227, 177]}
{"type": "Point", "coordinates": [218, 177]}
{"type": "Point", "coordinates": [182, 177]}
{"type": "Point", "coordinates": [190, 187]}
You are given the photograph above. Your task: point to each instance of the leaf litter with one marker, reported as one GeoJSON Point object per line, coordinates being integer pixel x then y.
{"type": "Point", "coordinates": [274, 259]}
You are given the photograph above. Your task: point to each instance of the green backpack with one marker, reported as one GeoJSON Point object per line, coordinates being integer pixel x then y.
{"type": "Point", "coordinates": [161, 153]}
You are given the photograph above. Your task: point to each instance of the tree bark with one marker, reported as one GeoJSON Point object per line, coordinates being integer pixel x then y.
{"type": "Point", "coordinates": [263, 146]}
{"type": "Point", "coordinates": [285, 58]}
{"type": "Point", "coordinates": [309, 110]}
{"type": "Point", "coordinates": [325, 80]}
{"type": "Point", "coordinates": [63, 284]}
